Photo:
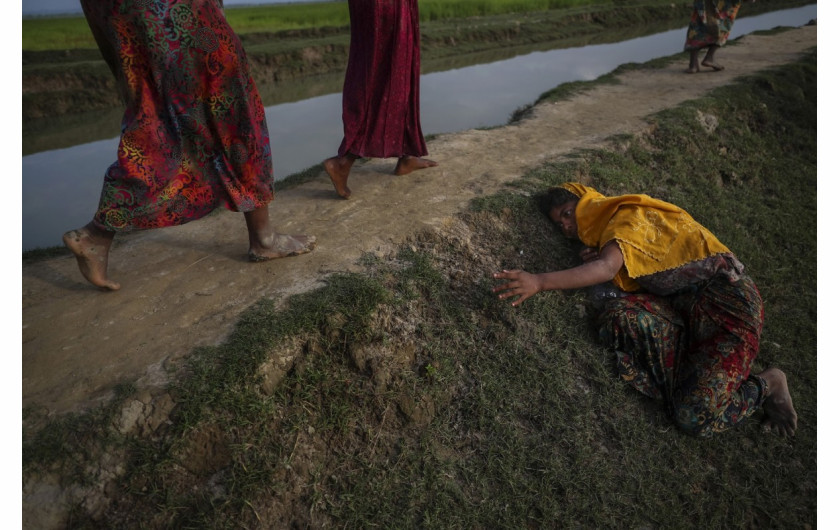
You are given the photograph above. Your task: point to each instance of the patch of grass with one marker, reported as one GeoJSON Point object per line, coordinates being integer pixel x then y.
{"type": "Point", "coordinates": [218, 374]}
{"type": "Point", "coordinates": [568, 90]}
{"type": "Point", "coordinates": [68, 444]}
{"type": "Point", "coordinates": [307, 175]}
{"type": "Point", "coordinates": [42, 253]}
{"type": "Point", "coordinates": [415, 398]}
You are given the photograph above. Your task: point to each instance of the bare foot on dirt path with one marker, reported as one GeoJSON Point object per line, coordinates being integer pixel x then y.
{"type": "Point", "coordinates": [338, 169]}
{"type": "Point", "coordinates": [407, 164]}
{"type": "Point", "coordinates": [281, 246]}
{"type": "Point", "coordinates": [714, 66]}
{"type": "Point", "coordinates": [780, 416]}
{"type": "Point", "coordinates": [189, 284]}
{"type": "Point", "coordinates": [91, 251]}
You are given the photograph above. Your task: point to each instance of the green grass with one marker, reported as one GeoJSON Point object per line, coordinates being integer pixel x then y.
{"type": "Point", "coordinates": [56, 33]}
{"type": "Point", "coordinates": [414, 398]}
{"type": "Point", "coordinates": [299, 16]}
{"type": "Point", "coordinates": [72, 32]}
{"type": "Point", "coordinates": [448, 9]}
{"type": "Point", "coordinates": [41, 253]}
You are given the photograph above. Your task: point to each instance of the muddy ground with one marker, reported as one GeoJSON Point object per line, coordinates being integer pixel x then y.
{"type": "Point", "coordinates": [185, 286]}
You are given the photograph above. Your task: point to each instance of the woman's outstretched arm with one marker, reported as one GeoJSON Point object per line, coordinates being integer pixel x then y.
{"type": "Point", "coordinates": [525, 285]}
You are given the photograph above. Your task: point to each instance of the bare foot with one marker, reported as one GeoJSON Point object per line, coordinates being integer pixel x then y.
{"type": "Point", "coordinates": [407, 164]}
{"type": "Point", "coordinates": [714, 66]}
{"type": "Point", "coordinates": [281, 246]}
{"type": "Point", "coordinates": [693, 70]}
{"type": "Point", "coordinates": [779, 413]}
{"type": "Point", "coordinates": [338, 168]}
{"type": "Point", "coordinates": [91, 251]}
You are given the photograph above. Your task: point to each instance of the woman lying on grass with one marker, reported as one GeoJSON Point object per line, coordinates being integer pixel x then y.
{"type": "Point", "coordinates": [686, 327]}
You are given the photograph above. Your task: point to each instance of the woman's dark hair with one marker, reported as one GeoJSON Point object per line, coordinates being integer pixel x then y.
{"type": "Point", "coordinates": [553, 197]}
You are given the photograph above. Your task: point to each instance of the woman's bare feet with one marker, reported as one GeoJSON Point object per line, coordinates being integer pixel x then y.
{"type": "Point", "coordinates": [714, 66]}
{"type": "Point", "coordinates": [406, 164]}
{"type": "Point", "coordinates": [709, 59]}
{"type": "Point", "coordinates": [779, 413]}
{"type": "Point", "coordinates": [91, 245]}
{"type": "Point", "coordinates": [266, 244]}
{"type": "Point", "coordinates": [280, 246]}
{"type": "Point", "coordinates": [693, 65]}
{"type": "Point", "coordinates": [338, 168]}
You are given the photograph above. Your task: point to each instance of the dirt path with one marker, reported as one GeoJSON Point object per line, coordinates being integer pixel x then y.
{"type": "Point", "coordinates": [185, 286]}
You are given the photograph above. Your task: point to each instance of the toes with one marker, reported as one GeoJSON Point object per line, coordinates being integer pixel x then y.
{"type": "Point", "coordinates": [110, 286]}
{"type": "Point", "coordinates": [304, 243]}
{"type": "Point", "coordinates": [283, 246]}
{"type": "Point", "coordinates": [306, 240]}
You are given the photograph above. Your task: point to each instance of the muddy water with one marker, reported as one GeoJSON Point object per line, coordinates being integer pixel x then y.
{"type": "Point", "coordinates": [61, 186]}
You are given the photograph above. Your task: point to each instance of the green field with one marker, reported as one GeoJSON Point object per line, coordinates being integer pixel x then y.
{"type": "Point", "coordinates": [327, 14]}
{"type": "Point", "coordinates": [58, 33]}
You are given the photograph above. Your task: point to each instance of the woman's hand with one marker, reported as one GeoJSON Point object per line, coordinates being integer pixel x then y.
{"type": "Point", "coordinates": [598, 269]}
{"type": "Point", "coordinates": [522, 284]}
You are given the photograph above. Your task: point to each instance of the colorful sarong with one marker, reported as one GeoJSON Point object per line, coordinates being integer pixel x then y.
{"type": "Point", "coordinates": [711, 22]}
{"type": "Point", "coordinates": [693, 350]}
{"type": "Point", "coordinates": [194, 135]}
{"type": "Point", "coordinates": [381, 100]}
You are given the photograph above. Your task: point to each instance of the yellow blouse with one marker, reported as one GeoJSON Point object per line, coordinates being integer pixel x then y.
{"type": "Point", "coordinates": [653, 235]}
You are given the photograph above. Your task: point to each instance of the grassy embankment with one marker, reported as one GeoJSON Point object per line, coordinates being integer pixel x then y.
{"type": "Point", "coordinates": [408, 396]}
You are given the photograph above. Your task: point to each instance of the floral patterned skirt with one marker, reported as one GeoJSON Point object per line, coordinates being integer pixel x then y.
{"type": "Point", "coordinates": [194, 135]}
{"type": "Point", "coordinates": [710, 24]}
{"type": "Point", "coordinates": [694, 350]}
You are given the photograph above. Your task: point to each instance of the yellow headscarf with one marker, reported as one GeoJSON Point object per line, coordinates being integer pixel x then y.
{"type": "Point", "coordinates": [653, 235]}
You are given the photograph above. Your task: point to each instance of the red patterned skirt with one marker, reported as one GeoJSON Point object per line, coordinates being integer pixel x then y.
{"type": "Point", "coordinates": [381, 100]}
{"type": "Point", "coordinates": [694, 350]}
{"type": "Point", "coordinates": [194, 135]}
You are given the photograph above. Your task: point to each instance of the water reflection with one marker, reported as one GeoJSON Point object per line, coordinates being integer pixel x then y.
{"type": "Point", "coordinates": [61, 187]}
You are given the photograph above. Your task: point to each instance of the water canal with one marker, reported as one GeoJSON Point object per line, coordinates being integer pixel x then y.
{"type": "Point", "coordinates": [61, 186]}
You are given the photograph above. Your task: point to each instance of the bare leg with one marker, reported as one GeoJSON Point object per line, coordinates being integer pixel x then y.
{"type": "Point", "coordinates": [338, 168]}
{"type": "Point", "coordinates": [709, 59]}
{"type": "Point", "coordinates": [693, 65]}
{"type": "Point", "coordinates": [407, 163]}
{"type": "Point", "coordinates": [266, 244]}
{"type": "Point", "coordinates": [779, 413]}
{"type": "Point", "coordinates": [91, 244]}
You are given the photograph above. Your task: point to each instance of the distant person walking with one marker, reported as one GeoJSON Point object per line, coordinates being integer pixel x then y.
{"type": "Point", "coordinates": [194, 135]}
{"type": "Point", "coordinates": [711, 22]}
{"type": "Point", "coordinates": [381, 101]}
